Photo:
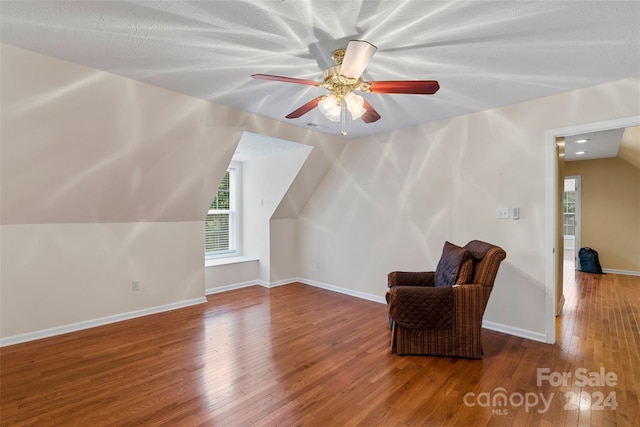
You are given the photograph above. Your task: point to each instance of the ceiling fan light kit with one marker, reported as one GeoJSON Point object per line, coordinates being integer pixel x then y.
{"type": "Point", "coordinates": [342, 79]}
{"type": "Point", "coordinates": [355, 105]}
{"type": "Point", "coordinates": [330, 106]}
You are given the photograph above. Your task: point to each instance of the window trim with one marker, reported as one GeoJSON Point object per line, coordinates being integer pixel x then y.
{"type": "Point", "coordinates": [235, 198]}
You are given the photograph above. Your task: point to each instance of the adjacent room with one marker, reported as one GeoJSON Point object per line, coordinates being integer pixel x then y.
{"type": "Point", "coordinates": [202, 202]}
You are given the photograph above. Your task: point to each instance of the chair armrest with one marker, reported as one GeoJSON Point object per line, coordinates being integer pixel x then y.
{"type": "Point", "coordinates": [469, 302]}
{"type": "Point", "coordinates": [410, 278]}
{"type": "Point", "coordinates": [470, 291]}
{"type": "Point", "coordinates": [421, 307]}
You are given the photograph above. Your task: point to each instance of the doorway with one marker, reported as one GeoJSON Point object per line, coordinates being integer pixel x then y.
{"type": "Point", "coordinates": [552, 180]}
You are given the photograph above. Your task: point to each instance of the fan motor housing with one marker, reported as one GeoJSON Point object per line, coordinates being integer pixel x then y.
{"type": "Point", "coordinates": [340, 85]}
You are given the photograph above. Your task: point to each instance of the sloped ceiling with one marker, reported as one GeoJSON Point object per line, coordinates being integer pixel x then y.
{"type": "Point", "coordinates": [485, 54]}
{"type": "Point", "coordinates": [254, 146]}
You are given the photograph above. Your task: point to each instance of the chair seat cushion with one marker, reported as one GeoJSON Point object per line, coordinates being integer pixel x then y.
{"type": "Point", "coordinates": [455, 266]}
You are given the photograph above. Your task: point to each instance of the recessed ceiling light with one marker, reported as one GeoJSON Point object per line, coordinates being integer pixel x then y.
{"type": "Point", "coordinates": [579, 153]}
{"type": "Point", "coordinates": [581, 141]}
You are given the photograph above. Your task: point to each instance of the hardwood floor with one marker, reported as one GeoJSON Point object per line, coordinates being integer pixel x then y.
{"type": "Point", "coordinates": [299, 355]}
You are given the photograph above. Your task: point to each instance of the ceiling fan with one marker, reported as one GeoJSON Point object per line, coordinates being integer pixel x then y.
{"type": "Point", "coordinates": [344, 79]}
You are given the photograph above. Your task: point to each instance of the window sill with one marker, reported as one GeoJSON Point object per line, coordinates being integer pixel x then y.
{"type": "Point", "coordinates": [214, 262]}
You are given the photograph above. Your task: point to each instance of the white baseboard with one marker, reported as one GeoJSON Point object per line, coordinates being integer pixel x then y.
{"type": "Point", "coordinates": [73, 327]}
{"type": "Point", "coordinates": [351, 292]}
{"type": "Point", "coordinates": [235, 286]}
{"type": "Point", "coordinates": [45, 333]}
{"type": "Point", "coordinates": [241, 285]}
{"type": "Point", "coordinates": [282, 282]}
{"type": "Point", "coordinates": [625, 272]}
{"type": "Point", "coordinates": [512, 330]}
{"type": "Point", "coordinates": [498, 327]}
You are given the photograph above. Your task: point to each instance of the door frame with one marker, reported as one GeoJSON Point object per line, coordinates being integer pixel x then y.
{"type": "Point", "coordinates": [551, 208]}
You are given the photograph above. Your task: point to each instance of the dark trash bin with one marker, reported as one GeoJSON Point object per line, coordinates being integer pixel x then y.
{"type": "Point", "coordinates": [589, 262]}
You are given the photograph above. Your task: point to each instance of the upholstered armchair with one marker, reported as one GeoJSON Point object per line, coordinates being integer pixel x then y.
{"type": "Point", "coordinates": [440, 312]}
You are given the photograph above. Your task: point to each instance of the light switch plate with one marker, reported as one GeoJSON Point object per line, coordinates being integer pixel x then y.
{"type": "Point", "coordinates": [502, 213]}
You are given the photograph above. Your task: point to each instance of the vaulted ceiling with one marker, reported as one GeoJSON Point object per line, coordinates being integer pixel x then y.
{"type": "Point", "coordinates": [485, 54]}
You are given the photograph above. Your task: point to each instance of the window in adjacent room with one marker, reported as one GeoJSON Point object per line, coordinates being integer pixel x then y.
{"type": "Point", "coordinates": [569, 209]}
{"type": "Point", "coordinates": [221, 224]}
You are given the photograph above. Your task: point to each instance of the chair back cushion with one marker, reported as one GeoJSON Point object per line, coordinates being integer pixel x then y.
{"type": "Point", "coordinates": [455, 266]}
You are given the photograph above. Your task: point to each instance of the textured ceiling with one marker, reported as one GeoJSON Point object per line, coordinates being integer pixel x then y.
{"type": "Point", "coordinates": [484, 54]}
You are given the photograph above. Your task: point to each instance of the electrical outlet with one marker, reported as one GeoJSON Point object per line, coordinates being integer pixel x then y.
{"type": "Point", "coordinates": [502, 213]}
{"type": "Point", "coordinates": [135, 285]}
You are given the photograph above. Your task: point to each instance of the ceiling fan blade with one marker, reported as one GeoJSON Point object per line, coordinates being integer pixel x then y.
{"type": "Point", "coordinates": [356, 58]}
{"type": "Point", "coordinates": [417, 87]}
{"type": "Point", "coordinates": [371, 115]}
{"type": "Point", "coordinates": [285, 79]}
{"type": "Point", "coordinates": [304, 109]}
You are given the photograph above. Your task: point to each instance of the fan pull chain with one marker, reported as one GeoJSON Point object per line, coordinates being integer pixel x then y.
{"type": "Point", "coordinates": [343, 115]}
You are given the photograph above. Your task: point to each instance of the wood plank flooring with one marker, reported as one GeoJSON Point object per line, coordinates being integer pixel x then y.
{"type": "Point", "coordinates": [297, 355]}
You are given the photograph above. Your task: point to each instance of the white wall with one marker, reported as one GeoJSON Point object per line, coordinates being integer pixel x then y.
{"type": "Point", "coordinates": [390, 201]}
{"type": "Point", "coordinates": [284, 242]}
{"type": "Point", "coordinates": [106, 180]}
{"type": "Point", "coordinates": [220, 278]}
{"type": "Point", "coordinates": [59, 274]}
{"type": "Point", "coordinates": [265, 182]}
